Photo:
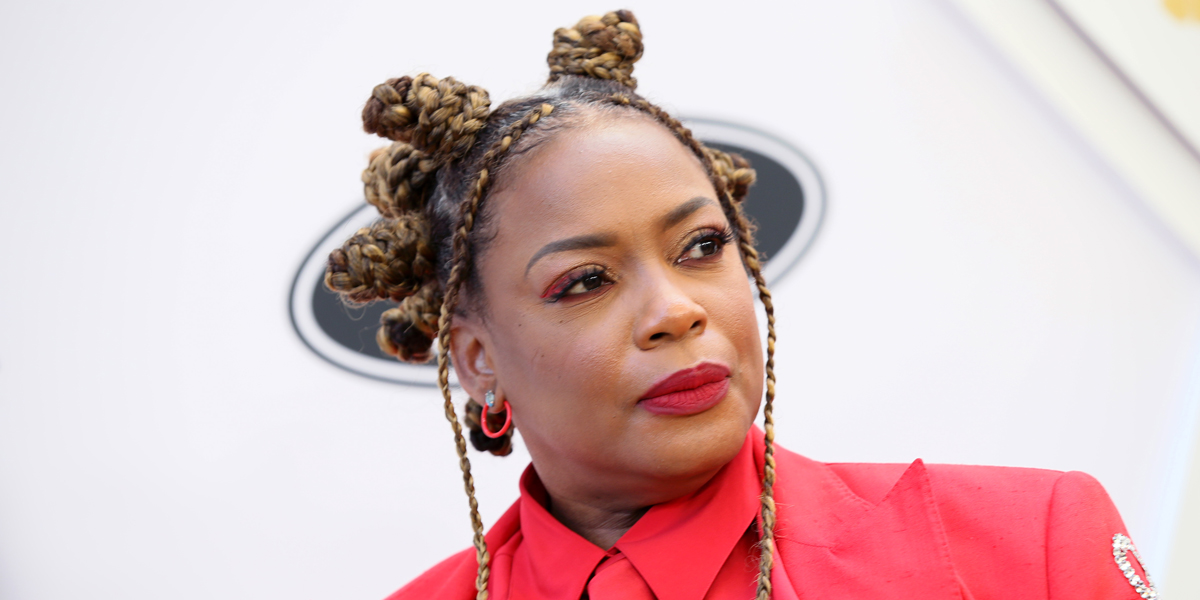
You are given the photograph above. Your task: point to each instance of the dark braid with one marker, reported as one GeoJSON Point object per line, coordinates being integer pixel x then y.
{"type": "Point", "coordinates": [430, 187]}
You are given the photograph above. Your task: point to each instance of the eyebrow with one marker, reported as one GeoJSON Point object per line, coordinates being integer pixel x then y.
{"type": "Point", "coordinates": [579, 242]}
{"type": "Point", "coordinates": [607, 240]}
{"type": "Point", "coordinates": [683, 211]}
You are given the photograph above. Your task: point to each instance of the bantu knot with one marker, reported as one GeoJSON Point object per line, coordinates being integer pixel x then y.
{"type": "Point", "coordinates": [439, 117]}
{"type": "Point", "coordinates": [398, 179]}
{"type": "Point", "coordinates": [604, 47]}
{"type": "Point", "coordinates": [391, 259]}
{"type": "Point", "coordinates": [407, 331]}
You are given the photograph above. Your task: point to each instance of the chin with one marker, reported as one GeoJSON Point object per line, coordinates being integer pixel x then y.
{"type": "Point", "coordinates": [698, 445]}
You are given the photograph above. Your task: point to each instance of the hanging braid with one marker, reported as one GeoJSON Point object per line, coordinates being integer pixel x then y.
{"type": "Point", "coordinates": [732, 177]}
{"type": "Point", "coordinates": [430, 187]}
{"type": "Point", "coordinates": [461, 261]}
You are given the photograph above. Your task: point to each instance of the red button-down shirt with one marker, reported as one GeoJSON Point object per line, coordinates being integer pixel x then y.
{"type": "Point", "coordinates": [845, 531]}
{"type": "Point", "coordinates": [698, 546]}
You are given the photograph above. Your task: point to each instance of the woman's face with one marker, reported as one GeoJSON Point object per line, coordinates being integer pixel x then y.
{"type": "Point", "coordinates": [619, 322]}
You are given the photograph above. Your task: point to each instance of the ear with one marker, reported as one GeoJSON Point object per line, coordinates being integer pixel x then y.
{"type": "Point", "coordinates": [470, 349]}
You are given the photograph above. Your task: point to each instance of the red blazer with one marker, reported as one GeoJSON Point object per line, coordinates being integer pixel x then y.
{"type": "Point", "coordinates": [845, 531]}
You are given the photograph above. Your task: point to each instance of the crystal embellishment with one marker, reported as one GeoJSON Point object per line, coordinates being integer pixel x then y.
{"type": "Point", "coordinates": [1122, 546]}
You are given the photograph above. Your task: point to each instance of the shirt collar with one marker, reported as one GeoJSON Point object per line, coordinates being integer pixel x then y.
{"type": "Point", "coordinates": [678, 547]}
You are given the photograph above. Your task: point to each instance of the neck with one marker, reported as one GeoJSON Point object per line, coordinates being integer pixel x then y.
{"type": "Point", "coordinates": [602, 504]}
{"type": "Point", "coordinates": [600, 516]}
{"type": "Point", "coordinates": [599, 525]}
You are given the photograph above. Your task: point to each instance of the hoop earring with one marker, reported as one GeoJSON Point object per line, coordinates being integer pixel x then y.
{"type": "Point", "coordinates": [489, 401]}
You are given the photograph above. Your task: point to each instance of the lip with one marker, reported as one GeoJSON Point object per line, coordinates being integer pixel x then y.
{"type": "Point", "coordinates": [688, 391]}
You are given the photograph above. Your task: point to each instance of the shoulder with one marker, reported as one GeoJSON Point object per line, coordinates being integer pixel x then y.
{"type": "Point", "coordinates": [1040, 497]}
{"type": "Point", "coordinates": [1014, 487]}
{"type": "Point", "coordinates": [1053, 530]}
{"type": "Point", "coordinates": [975, 501]}
{"type": "Point", "coordinates": [452, 578]}
{"type": "Point", "coordinates": [975, 497]}
{"type": "Point", "coordinates": [1006, 485]}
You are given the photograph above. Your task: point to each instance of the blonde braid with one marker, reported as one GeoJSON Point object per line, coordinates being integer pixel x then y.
{"type": "Point", "coordinates": [461, 261]}
{"type": "Point", "coordinates": [721, 174]}
{"type": "Point", "coordinates": [734, 171]}
{"type": "Point", "coordinates": [767, 539]}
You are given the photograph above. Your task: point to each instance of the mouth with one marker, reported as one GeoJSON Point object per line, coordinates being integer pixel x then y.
{"type": "Point", "coordinates": [688, 391]}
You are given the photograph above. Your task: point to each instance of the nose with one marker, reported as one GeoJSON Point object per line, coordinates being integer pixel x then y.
{"type": "Point", "coordinates": [669, 313]}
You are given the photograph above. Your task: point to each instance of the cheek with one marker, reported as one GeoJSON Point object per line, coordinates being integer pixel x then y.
{"type": "Point", "coordinates": [734, 314]}
{"type": "Point", "coordinates": [559, 375]}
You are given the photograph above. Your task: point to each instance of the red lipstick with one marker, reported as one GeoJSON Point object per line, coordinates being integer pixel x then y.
{"type": "Point", "coordinates": [688, 391]}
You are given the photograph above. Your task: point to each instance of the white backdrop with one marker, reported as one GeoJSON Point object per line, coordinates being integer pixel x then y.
{"type": "Point", "coordinates": [984, 289]}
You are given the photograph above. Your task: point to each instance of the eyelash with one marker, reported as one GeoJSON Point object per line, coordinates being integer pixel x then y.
{"type": "Point", "coordinates": [723, 237]}
{"type": "Point", "coordinates": [557, 292]}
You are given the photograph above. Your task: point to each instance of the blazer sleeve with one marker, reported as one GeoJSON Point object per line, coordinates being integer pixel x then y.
{"type": "Point", "coordinates": [1088, 553]}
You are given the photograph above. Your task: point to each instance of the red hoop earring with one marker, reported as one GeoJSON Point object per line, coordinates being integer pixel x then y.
{"type": "Point", "coordinates": [507, 421]}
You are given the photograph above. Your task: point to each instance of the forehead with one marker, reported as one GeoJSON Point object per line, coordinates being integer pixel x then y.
{"type": "Point", "coordinates": [608, 174]}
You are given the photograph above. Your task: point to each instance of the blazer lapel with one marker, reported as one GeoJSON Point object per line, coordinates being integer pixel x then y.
{"type": "Point", "coordinates": [833, 544]}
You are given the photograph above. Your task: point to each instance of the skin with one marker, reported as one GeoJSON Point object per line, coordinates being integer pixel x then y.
{"type": "Point", "coordinates": [573, 370]}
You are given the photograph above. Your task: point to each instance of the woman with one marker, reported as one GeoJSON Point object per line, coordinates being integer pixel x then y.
{"type": "Point", "coordinates": [586, 264]}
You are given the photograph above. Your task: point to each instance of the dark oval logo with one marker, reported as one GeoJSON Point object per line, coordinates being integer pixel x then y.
{"type": "Point", "coordinates": [787, 202]}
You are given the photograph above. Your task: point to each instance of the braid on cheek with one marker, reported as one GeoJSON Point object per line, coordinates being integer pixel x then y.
{"type": "Point", "coordinates": [460, 266]}
{"type": "Point", "coordinates": [605, 48]}
{"type": "Point", "coordinates": [734, 174]}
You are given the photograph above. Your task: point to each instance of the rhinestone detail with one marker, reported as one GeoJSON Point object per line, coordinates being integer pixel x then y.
{"type": "Point", "coordinates": [1122, 546]}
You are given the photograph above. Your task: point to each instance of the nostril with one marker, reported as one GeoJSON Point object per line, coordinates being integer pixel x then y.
{"type": "Point", "coordinates": [657, 336]}
{"type": "Point", "coordinates": [696, 325]}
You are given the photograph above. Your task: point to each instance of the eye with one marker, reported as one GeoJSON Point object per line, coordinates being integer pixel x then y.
{"type": "Point", "coordinates": [578, 283]}
{"type": "Point", "coordinates": [703, 248]}
{"type": "Point", "coordinates": [587, 283]}
{"type": "Point", "coordinates": [706, 244]}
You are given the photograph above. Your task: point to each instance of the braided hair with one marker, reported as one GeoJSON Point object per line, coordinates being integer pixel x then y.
{"type": "Point", "coordinates": [430, 187]}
